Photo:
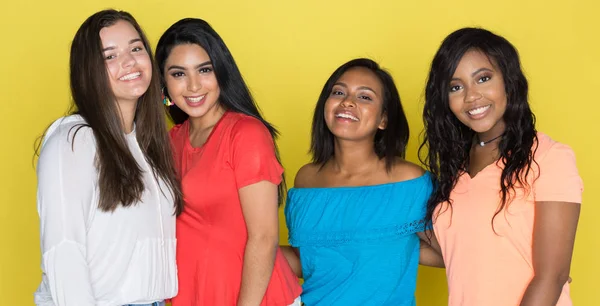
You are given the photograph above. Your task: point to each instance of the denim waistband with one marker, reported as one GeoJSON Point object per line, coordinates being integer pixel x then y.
{"type": "Point", "coordinates": [161, 303]}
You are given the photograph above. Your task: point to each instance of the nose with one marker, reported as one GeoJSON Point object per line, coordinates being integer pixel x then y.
{"type": "Point", "coordinates": [473, 94]}
{"type": "Point", "coordinates": [348, 102]}
{"type": "Point", "coordinates": [194, 83]}
{"type": "Point", "coordinates": [128, 60]}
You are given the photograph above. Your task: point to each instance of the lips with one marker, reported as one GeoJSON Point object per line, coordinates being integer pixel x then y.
{"type": "Point", "coordinates": [130, 76]}
{"type": "Point", "coordinates": [195, 100]}
{"type": "Point", "coordinates": [479, 111]}
{"type": "Point", "coordinates": [346, 115]}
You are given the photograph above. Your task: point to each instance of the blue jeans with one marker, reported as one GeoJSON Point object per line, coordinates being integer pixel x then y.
{"type": "Point", "coordinates": [162, 303]}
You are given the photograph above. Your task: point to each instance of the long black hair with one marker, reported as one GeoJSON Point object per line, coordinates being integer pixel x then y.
{"type": "Point", "coordinates": [389, 143]}
{"type": "Point", "coordinates": [448, 141]}
{"type": "Point", "coordinates": [234, 93]}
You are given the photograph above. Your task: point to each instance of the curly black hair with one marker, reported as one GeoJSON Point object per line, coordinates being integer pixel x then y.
{"type": "Point", "coordinates": [447, 142]}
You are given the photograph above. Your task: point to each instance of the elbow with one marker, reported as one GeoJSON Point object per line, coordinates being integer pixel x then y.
{"type": "Point", "coordinates": [265, 240]}
{"type": "Point", "coordinates": [557, 279]}
{"type": "Point", "coordinates": [562, 278]}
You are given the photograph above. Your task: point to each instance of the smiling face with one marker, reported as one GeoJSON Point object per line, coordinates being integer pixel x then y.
{"type": "Point", "coordinates": [191, 81]}
{"type": "Point", "coordinates": [354, 109]}
{"type": "Point", "coordinates": [127, 61]}
{"type": "Point", "coordinates": [477, 95]}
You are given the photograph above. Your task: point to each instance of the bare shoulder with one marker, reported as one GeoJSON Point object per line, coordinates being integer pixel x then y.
{"type": "Point", "coordinates": [404, 170]}
{"type": "Point", "coordinates": [307, 176]}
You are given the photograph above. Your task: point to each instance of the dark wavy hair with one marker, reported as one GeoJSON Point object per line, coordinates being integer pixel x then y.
{"type": "Point", "coordinates": [447, 141]}
{"type": "Point", "coordinates": [120, 176]}
{"type": "Point", "coordinates": [235, 95]}
{"type": "Point", "coordinates": [388, 143]}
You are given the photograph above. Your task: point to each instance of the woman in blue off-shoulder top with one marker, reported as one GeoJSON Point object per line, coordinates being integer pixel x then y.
{"type": "Point", "coordinates": [356, 212]}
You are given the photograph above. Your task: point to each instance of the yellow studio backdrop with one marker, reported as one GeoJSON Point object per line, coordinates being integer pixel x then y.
{"type": "Point", "coordinates": [286, 50]}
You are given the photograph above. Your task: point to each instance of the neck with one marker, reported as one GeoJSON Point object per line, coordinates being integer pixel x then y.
{"type": "Point", "coordinates": [127, 110]}
{"type": "Point", "coordinates": [207, 121]}
{"type": "Point", "coordinates": [353, 157]}
{"type": "Point", "coordinates": [492, 136]}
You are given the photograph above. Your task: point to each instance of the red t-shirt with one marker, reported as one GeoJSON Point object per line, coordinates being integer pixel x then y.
{"type": "Point", "coordinates": [211, 231]}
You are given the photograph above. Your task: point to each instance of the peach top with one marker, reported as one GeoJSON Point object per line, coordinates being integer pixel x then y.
{"type": "Point", "coordinates": [494, 269]}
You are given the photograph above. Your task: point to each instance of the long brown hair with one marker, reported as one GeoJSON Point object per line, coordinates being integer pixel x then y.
{"type": "Point", "coordinates": [120, 176]}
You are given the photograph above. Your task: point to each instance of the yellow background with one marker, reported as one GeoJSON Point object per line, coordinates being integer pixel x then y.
{"type": "Point", "coordinates": [286, 50]}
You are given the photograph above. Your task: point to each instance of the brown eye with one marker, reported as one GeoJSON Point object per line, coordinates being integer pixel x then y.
{"type": "Point", "coordinates": [455, 88]}
{"type": "Point", "coordinates": [484, 79]}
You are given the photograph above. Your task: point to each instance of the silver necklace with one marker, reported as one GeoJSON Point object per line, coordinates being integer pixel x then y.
{"type": "Point", "coordinates": [483, 143]}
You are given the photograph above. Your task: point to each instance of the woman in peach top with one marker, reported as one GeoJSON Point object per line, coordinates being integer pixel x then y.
{"type": "Point", "coordinates": [507, 198]}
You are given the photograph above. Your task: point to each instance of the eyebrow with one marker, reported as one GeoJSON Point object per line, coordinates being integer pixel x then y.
{"type": "Point", "coordinates": [130, 42]}
{"type": "Point", "coordinates": [360, 88]}
{"type": "Point", "coordinates": [207, 63]}
{"type": "Point", "coordinates": [475, 73]}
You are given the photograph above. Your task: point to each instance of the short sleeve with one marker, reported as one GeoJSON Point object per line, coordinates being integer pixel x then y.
{"type": "Point", "coordinates": [558, 178]}
{"type": "Point", "coordinates": [253, 154]}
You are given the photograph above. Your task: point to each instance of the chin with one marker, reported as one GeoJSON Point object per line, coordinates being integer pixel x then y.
{"type": "Point", "coordinates": [136, 97]}
{"type": "Point", "coordinates": [136, 94]}
{"type": "Point", "coordinates": [345, 135]}
{"type": "Point", "coordinates": [481, 129]}
{"type": "Point", "coordinates": [194, 114]}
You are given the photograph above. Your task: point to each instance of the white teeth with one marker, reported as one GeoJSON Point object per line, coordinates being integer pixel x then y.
{"type": "Point", "coordinates": [130, 76]}
{"type": "Point", "coordinates": [195, 100]}
{"type": "Point", "coordinates": [347, 116]}
{"type": "Point", "coordinates": [478, 110]}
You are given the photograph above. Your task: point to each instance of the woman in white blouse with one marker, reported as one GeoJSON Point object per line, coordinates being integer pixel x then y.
{"type": "Point", "coordinates": [107, 191]}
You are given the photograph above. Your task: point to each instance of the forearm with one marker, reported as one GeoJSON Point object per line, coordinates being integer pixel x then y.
{"type": "Point", "coordinates": [259, 259]}
{"type": "Point", "coordinates": [554, 230]}
{"type": "Point", "coordinates": [293, 259]}
{"type": "Point", "coordinates": [543, 291]}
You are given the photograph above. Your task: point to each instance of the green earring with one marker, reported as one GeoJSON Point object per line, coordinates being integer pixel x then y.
{"type": "Point", "coordinates": [166, 100]}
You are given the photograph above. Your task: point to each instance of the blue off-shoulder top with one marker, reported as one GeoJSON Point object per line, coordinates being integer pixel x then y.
{"type": "Point", "coordinates": [358, 245]}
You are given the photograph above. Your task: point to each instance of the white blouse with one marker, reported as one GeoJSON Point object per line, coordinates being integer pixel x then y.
{"type": "Point", "coordinates": [91, 257]}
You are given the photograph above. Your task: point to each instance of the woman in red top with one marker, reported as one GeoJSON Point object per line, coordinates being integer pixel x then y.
{"type": "Point", "coordinates": [227, 250]}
